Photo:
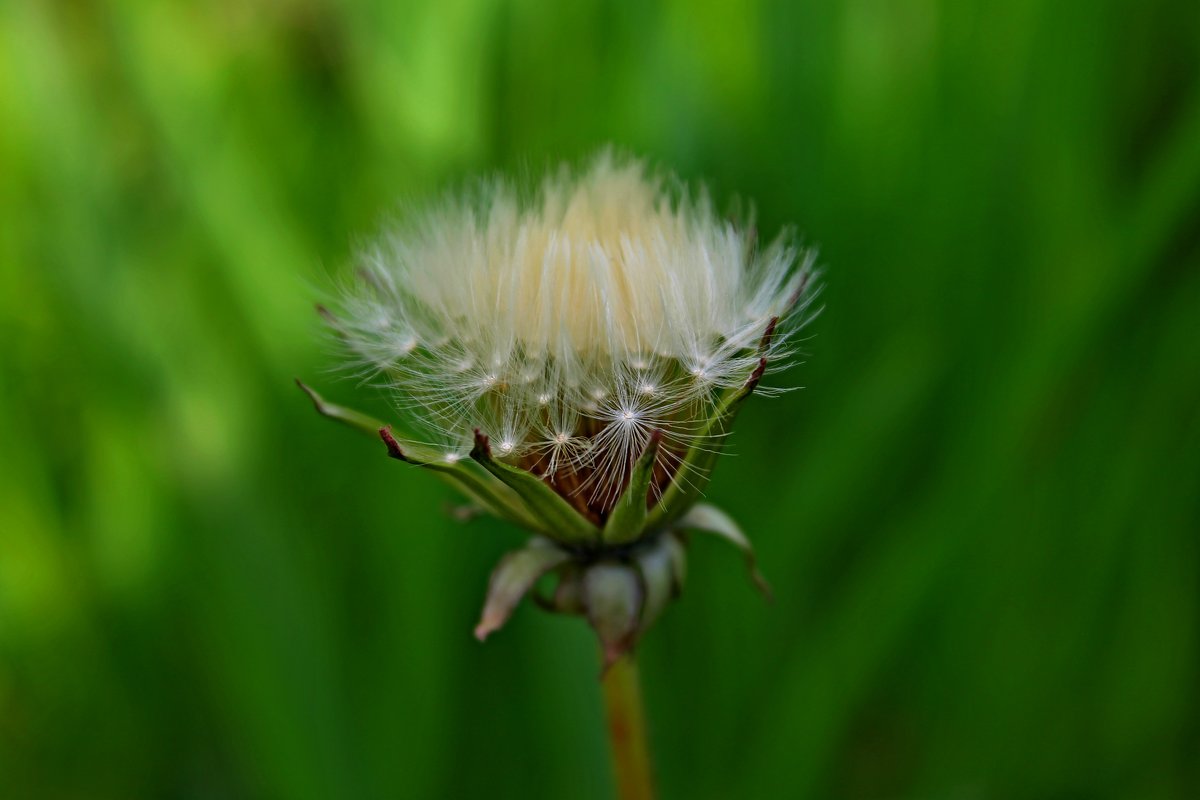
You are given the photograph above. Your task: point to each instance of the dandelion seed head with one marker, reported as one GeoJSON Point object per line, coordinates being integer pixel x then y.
{"type": "Point", "coordinates": [571, 322]}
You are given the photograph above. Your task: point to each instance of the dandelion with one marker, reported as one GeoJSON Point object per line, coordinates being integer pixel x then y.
{"type": "Point", "coordinates": [587, 344]}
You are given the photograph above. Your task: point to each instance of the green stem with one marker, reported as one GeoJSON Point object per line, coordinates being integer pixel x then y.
{"type": "Point", "coordinates": [627, 731]}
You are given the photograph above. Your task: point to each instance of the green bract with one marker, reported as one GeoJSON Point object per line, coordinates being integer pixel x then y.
{"type": "Point", "coordinates": [619, 576]}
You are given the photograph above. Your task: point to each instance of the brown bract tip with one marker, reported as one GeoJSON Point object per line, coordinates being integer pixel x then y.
{"type": "Point", "coordinates": [318, 402]}
{"type": "Point", "coordinates": [482, 448]}
{"type": "Point", "coordinates": [756, 376]}
{"type": "Point", "coordinates": [801, 289]}
{"type": "Point", "coordinates": [768, 334]}
{"type": "Point", "coordinates": [393, 447]}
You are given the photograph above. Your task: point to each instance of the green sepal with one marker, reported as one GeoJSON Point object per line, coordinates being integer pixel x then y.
{"type": "Point", "coordinates": [557, 518]}
{"type": "Point", "coordinates": [464, 475]}
{"type": "Point", "coordinates": [692, 476]}
{"type": "Point", "coordinates": [512, 579]}
{"type": "Point", "coordinates": [468, 478]}
{"type": "Point", "coordinates": [707, 518]}
{"type": "Point", "coordinates": [659, 567]}
{"type": "Point", "coordinates": [613, 596]}
{"type": "Point", "coordinates": [628, 517]}
{"type": "Point", "coordinates": [347, 416]}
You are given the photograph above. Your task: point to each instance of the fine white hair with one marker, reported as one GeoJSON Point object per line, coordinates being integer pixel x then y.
{"type": "Point", "coordinates": [570, 322]}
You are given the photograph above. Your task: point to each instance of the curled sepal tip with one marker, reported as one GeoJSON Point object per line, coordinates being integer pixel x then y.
{"type": "Point", "coordinates": [512, 579]}
{"type": "Point", "coordinates": [710, 519]}
{"type": "Point", "coordinates": [477, 485]}
{"type": "Point", "coordinates": [347, 416]}
{"type": "Point", "coordinates": [465, 476]}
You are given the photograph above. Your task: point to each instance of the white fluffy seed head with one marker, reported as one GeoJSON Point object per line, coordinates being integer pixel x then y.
{"type": "Point", "coordinates": [571, 322]}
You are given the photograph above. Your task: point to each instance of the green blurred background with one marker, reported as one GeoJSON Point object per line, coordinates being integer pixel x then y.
{"type": "Point", "coordinates": [981, 516]}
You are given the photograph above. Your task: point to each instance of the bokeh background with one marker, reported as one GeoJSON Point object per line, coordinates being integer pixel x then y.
{"type": "Point", "coordinates": [981, 515]}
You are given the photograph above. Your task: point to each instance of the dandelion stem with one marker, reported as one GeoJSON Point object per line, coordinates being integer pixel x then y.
{"type": "Point", "coordinates": [627, 730]}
